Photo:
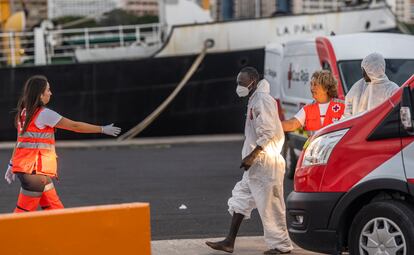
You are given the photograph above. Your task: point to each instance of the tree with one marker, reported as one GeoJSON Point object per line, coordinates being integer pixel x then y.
{"type": "Point", "coordinates": [121, 17]}
{"type": "Point", "coordinates": [410, 27]}
{"type": "Point", "coordinates": [67, 20]}
{"type": "Point", "coordinates": [112, 18]}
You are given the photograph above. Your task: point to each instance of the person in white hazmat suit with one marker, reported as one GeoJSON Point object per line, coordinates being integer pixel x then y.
{"type": "Point", "coordinates": [261, 186]}
{"type": "Point", "coordinates": [372, 90]}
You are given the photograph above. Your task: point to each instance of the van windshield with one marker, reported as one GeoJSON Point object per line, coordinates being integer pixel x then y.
{"type": "Point", "coordinates": [397, 70]}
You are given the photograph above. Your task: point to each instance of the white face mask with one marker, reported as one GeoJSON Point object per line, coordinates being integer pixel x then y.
{"type": "Point", "coordinates": [243, 91]}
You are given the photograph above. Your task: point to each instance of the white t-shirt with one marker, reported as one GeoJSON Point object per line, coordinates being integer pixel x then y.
{"type": "Point", "coordinates": [48, 118]}
{"type": "Point", "coordinates": [301, 115]}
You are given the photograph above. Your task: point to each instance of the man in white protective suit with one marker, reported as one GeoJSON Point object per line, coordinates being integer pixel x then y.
{"type": "Point", "coordinates": [262, 184]}
{"type": "Point", "coordinates": [372, 90]}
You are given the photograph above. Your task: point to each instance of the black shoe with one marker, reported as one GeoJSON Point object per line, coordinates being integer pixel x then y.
{"type": "Point", "coordinates": [224, 245]}
{"type": "Point", "coordinates": [275, 251]}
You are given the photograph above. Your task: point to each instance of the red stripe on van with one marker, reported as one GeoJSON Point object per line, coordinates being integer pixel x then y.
{"type": "Point", "coordinates": [410, 181]}
{"type": "Point", "coordinates": [327, 54]}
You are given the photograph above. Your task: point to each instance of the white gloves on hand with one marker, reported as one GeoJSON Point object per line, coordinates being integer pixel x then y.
{"type": "Point", "coordinates": [9, 176]}
{"type": "Point", "coordinates": [111, 130]}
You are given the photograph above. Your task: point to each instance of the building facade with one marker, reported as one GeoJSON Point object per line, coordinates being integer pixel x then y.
{"type": "Point", "coordinates": [312, 6]}
{"type": "Point", "coordinates": [60, 8]}
{"type": "Point", "coordinates": [284, 6]}
{"type": "Point", "coordinates": [140, 7]}
{"type": "Point", "coordinates": [267, 8]}
{"type": "Point", "coordinates": [404, 10]}
{"type": "Point", "coordinates": [252, 8]}
{"type": "Point", "coordinates": [243, 9]}
{"type": "Point", "coordinates": [222, 9]}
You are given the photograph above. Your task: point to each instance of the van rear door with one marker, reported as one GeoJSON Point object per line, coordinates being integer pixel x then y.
{"type": "Point", "coordinates": [328, 61]}
{"type": "Point", "coordinates": [300, 60]}
{"type": "Point", "coordinates": [273, 59]}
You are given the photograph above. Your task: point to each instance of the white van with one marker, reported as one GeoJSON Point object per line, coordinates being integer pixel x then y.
{"type": "Point", "coordinates": [289, 67]}
{"type": "Point", "coordinates": [354, 183]}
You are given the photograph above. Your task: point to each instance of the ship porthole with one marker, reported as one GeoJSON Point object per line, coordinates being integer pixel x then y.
{"type": "Point", "coordinates": [367, 25]}
{"type": "Point", "coordinates": [243, 61]}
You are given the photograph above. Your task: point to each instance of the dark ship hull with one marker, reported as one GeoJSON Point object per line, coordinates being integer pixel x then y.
{"type": "Point", "coordinates": [125, 92]}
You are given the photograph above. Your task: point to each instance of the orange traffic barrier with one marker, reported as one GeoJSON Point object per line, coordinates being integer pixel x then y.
{"type": "Point", "coordinates": [108, 229]}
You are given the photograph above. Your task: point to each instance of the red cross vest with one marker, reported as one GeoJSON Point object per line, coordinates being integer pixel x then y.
{"type": "Point", "coordinates": [35, 148]}
{"type": "Point", "coordinates": [334, 112]}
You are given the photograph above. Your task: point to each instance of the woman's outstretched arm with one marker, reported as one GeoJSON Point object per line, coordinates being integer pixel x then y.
{"type": "Point", "coordinates": [83, 127]}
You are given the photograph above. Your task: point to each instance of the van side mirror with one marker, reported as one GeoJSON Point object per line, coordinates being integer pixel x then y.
{"type": "Point", "coordinates": [406, 109]}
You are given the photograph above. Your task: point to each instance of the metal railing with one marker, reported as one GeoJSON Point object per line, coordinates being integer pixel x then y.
{"type": "Point", "coordinates": [16, 48]}
{"type": "Point", "coordinates": [59, 46]}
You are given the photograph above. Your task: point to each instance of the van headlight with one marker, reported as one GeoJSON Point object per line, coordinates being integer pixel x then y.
{"type": "Point", "coordinates": [319, 150]}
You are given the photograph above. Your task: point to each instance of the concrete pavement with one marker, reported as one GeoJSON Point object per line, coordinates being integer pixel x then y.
{"type": "Point", "coordinates": [199, 175]}
{"type": "Point", "coordinates": [144, 141]}
{"type": "Point", "coordinates": [244, 246]}
{"type": "Point", "coordinates": [197, 171]}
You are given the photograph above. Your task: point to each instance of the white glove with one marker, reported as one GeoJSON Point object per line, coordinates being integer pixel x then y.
{"type": "Point", "coordinates": [9, 176]}
{"type": "Point", "coordinates": [111, 130]}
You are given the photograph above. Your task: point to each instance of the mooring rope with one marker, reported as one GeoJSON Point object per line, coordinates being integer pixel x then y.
{"type": "Point", "coordinates": [209, 43]}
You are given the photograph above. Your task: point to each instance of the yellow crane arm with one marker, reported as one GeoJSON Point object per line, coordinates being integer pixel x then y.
{"type": "Point", "coordinates": [5, 11]}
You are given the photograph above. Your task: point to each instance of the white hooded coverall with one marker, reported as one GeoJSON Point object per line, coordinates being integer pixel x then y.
{"type": "Point", "coordinates": [262, 185]}
{"type": "Point", "coordinates": [366, 96]}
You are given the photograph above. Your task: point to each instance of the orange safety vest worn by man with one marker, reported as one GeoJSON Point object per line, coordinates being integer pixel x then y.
{"type": "Point", "coordinates": [326, 108]}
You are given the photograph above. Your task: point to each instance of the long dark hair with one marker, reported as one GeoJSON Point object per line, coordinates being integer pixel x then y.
{"type": "Point", "coordinates": [30, 99]}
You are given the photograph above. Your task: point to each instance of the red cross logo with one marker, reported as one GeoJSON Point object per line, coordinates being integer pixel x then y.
{"type": "Point", "coordinates": [336, 108]}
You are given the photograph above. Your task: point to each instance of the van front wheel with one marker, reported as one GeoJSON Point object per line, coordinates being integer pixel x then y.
{"type": "Point", "coordinates": [385, 227]}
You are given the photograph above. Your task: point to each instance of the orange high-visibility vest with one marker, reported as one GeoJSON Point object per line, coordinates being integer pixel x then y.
{"type": "Point", "coordinates": [35, 149]}
{"type": "Point", "coordinates": [334, 112]}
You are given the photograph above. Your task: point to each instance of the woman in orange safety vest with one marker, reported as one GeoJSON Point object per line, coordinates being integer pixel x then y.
{"type": "Point", "coordinates": [326, 108]}
{"type": "Point", "coordinates": [34, 157]}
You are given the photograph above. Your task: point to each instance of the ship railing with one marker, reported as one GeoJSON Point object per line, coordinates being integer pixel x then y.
{"type": "Point", "coordinates": [16, 48]}
{"type": "Point", "coordinates": [59, 46]}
